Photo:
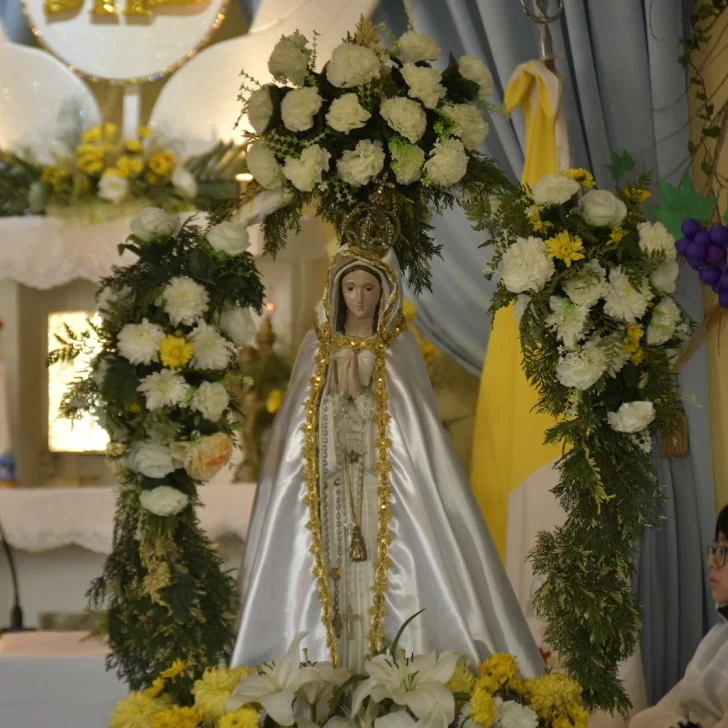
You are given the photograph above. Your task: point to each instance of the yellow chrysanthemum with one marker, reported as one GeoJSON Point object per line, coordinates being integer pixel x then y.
{"type": "Point", "coordinates": [516, 685]}
{"type": "Point", "coordinates": [482, 708]}
{"type": "Point", "coordinates": [135, 711]}
{"type": "Point", "coordinates": [156, 689]}
{"type": "Point", "coordinates": [151, 178]}
{"type": "Point", "coordinates": [273, 403]}
{"type": "Point", "coordinates": [143, 132]}
{"type": "Point", "coordinates": [176, 717]}
{"type": "Point", "coordinates": [462, 680]}
{"type": "Point", "coordinates": [243, 718]}
{"type": "Point", "coordinates": [175, 351]}
{"type": "Point", "coordinates": [615, 237]}
{"type": "Point", "coordinates": [162, 164]}
{"type": "Point", "coordinates": [90, 158]}
{"type": "Point", "coordinates": [133, 146]}
{"type": "Point", "coordinates": [214, 688]}
{"type": "Point", "coordinates": [410, 311]}
{"type": "Point", "coordinates": [92, 135]}
{"type": "Point", "coordinates": [177, 668]}
{"type": "Point", "coordinates": [552, 695]}
{"type": "Point", "coordinates": [129, 166]}
{"type": "Point", "coordinates": [538, 225]}
{"type": "Point", "coordinates": [566, 247]}
{"type": "Point", "coordinates": [636, 194]}
{"type": "Point", "coordinates": [631, 343]}
{"type": "Point", "coordinates": [110, 131]}
{"type": "Point", "coordinates": [583, 176]}
{"type": "Point", "coordinates": [579, 715]}
{"type": "Point", "coordinates": [489, 683]}
{"type": "Point", "coordinates": [562, 723]}
{"type": "Point", "coordinates": [501, 665]}
{"type": "Point", "coordinates": [56, 177]}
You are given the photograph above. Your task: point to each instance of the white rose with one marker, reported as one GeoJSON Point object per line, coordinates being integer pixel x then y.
{"type": "Point", "coordinates": [357, 167]}
{"type": "Point", "coordinates": [663, 322]}
{"type": "Point", "coordinates": [113, 188]}
{"type": "Point", "coordinates": [36, 197]}
{"type": "Point", "coordinates": [584, 368]}
{"type": "Point", "coordinates": [299, 107]}
{"type": "Point", "coordinates": [632, 417]}
{"type": "Point", "coordinates": [407, 161]}
{"type": "Point", "coordinates": [346, 113]}
{"type": "Point", "coordinates": [554, 189]}
{"type": "Point", "coordinates": [152, 222]}
{"type": "Point", "coordinates": [424, 84]}
{"type": "Point", "coordinates": [527, 266]}
{"type": "Point", "coordinates": [290, 58]}
{"type": "Point", "coordinates": [263, 166]}
{"type": "Point", "coordinates": [664, 279]}
{"type": "Point", "coordinates": [623, 301]}
{"type": "Point", "coordinates": [211, 400]}
{"type": "Point", "coordinates": [260, 109]}
{"type": "Point", "coordinates": [184, 183]}
{"type": "Point", "coordinates": [654, 238]}
{"type": "Point", "coordinates": [229, 237]}
{"type": "Point", "coordinates": [151, 459]}
{"type": "Point", "coordinates": [163, 501]}
{"type": "Point", "coordinates": [352, 65]}
{"type": "Point", "coordinates": [473, 69]}
{"type": "Point", "coordinates": [305, 172]}
{"type": "Point", "coordinates": [139, 343]}
{"type": "Point", "coordinates": [520, 306]}
{"type": "Point", "coordinates": [601, 208]}
{"type": "Point", "coordinates": [588, 286]}
{"type": "Point", "coordinates": [184, 300]}
{"type": "Point", "coordinates": [405, 116]}
{"type": "Point", "coordinates": [469, 124]}
{"type": "Point", "coordinates": [414, 47]}
{"type": "Point", "coordinates": [238, 324]}
{"type": "Point", "coordinates": [448, 163]}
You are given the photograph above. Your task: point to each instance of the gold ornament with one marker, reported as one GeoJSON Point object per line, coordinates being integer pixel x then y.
{"type": "Point", "coordinates": [371, 227]}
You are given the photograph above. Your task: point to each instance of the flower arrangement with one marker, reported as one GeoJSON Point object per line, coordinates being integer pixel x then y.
{"type": "Point", "coordinates": [592, 282]}
{"type": "Point", "coordinates": [396, 691]}
{"type": "Point", "coordinates": [162, 363]}
{"type": "Point", "coordinates": [100, 166]}
{"type": "Point", "coordinates": [371, 119]}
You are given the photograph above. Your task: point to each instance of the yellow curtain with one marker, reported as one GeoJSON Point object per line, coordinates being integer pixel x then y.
{"type": "Point", "coordinates": [508, 436]}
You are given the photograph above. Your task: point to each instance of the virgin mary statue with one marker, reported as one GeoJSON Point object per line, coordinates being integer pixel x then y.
{"type": "Point", "coordinates": [363, 516]}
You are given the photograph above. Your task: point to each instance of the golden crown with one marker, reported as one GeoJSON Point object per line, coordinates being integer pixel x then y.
{"type": "Point", "coordinates": [371, 226]}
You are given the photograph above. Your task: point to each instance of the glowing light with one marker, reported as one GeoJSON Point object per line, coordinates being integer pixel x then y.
{"type": "Point", "coordinates": [270, 306]}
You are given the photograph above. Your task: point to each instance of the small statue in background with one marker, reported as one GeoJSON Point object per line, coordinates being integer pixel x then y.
{"type": "Point", "coordinates": [260, 401]}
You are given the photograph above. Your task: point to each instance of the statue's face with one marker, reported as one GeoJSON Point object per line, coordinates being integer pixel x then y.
{"type": "Point", "coordinates": [361, 293]}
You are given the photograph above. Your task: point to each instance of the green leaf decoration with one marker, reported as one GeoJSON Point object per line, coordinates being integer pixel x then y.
{"type": "Point", "coordinates": [621, 164]}
{"type": "Point", "coordinates": [725, 217]}
{"type": "Point", "coordinates": [681, 203]}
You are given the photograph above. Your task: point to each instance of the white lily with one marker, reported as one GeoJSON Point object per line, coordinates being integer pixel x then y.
{"type": "Point", "coordinates": [327, 678]}
{"type": "Point", "coordinates": [275, 685]}
{"type": "Point", "coordinates": [417, 683]}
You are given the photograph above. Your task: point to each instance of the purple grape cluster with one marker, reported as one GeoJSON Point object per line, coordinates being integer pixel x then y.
{"type": "Point", "coordinates": [705, 251]}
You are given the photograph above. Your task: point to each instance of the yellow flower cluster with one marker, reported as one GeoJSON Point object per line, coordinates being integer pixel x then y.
{"type": "Point", "coordinates": [482, 707]}
{"type": "Point", "coordinates": [176, 717]}
{"type": "Point", "coordinates": [136, 711]}
{"type": "Point", "coordinates": [615, 237]}
{"type": "Point", "coordinates": [274, 401]}
{"type": "Point", "coordinates": [534, 217]}
{"type": "Point", "coordinates": [462, 680]}
{"type": "Point", "coordinates": [243, 718]}
{"type": "Point", "coordinates": [565, 247]}
{"type": "Point", "coordinates": [636, 194]}
{"type": "Point", "coordinates": [556, 699]}
{"type": "Point", "coordinates": [631, 343]}
{"type": "Point", "coordinates": [56, 177]}
{"type": "Point", "coordinates": [161, 164]}
{"type": "Point", "coordinates": [175, 351]}
{"type": "Point", "coordinates": [582, 176]}
{"type": "Point", "coordinates": [214, 688]}
{"type": "Point", "coordinates": [175, 670]}
{"type": "Point", "coordinates": [497, 672]}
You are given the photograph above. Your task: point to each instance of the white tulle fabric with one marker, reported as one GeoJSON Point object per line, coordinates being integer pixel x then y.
{"type": "Point", "coordinates": [442, 556]}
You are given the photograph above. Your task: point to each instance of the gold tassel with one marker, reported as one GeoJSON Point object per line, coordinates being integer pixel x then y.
{"type": "Point", "coordinates": [675, 444]}
{"type": "Point", "coordinates": [357, 548]}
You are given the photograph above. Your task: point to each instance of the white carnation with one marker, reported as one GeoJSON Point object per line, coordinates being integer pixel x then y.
{"type": "Point", "coordinates": [113, 188]}
{"type": "Point", "coordinates": [407, 161]}
{"type": "Point", "coordinates": [151, 459]}
{"type": "Point", "coordinates": [583, 368]}
{"type": "Point", "coordinates": [623, 302]}
{"type": "Point", "coordinates": [152, 222]}
{"type": "Point", "coordinates": [601, 208]}
{"type": "Point", "coordinates": [473, 69]}
{"type": "Point", "coordinates": [405, 116]}
{"type": "Point", "coordinates": [352, 65]}
{"type": "Point", "coordinates": [664, 279]}
{"type": "Point", "coordinates": [139, 343]}
{"type": "Point", "coordinates": [568, 320]}
{"type": "Point", "coordinates": [526, 266]}
{"type": "Point", "coordinates": [185, 185]}
{"type": "Point", "coordinates": [357, 167]}
{"type": "Point", "coordinates": [448, 163]}
{"type": "Point", "coordinates": [510, 714]}
{"type": "Point", "coordinates": [290, 58]}
{"type": "Point", "coordinates": [212, 351]}
{"type": "Point", "coordinates": [663, 322]}
{"type": "Point", "coordinates": [184, 300]}
{"type": "Point", "coordinates": [415, 47]}
{"type": "Point", "coordinates": [469, 124]}
{"type": "Point", "coordinates": [632, 417]}
{"type": "Point", "coordinates": [305, 172]}
{"type": "Point", "coordinates": [238, 324]}
{"type": "Point", "coordinates": [262, 164]}
{"type": "Point", "coordinates": [654, 238]}
{"type": "Point", "coordinates": [588, 286]}
{"type": "Point", "coordinates": [260, 109]}
{"type": "Point", "coordinates": [229, 237]}
{"type": "Point", "coordinates": [346, 113]}
{"type": "Point", "coordinates": [299, 107]}
{"type": "Point", "coordinates": [424, 84]}
{"type": "Point", "coordinates": [520, 306]}
{"type": "Point", "coordinates": [163, 501]}
{"type": "Point", "coordinates": [211, 400]}
{"type": "Point", "coordinates": [554, 189]}
{"type": "Point", "coordinates": [163, 389]}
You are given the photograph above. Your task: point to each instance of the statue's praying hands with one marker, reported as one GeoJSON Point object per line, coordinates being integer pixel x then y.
{"type": "Point", "coordinates": [349, 381]}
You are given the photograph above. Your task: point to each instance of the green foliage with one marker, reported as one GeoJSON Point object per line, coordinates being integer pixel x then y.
{"type": "Point", "coordinates": [681, 203]}
{"type": "Point", "coordinates": [621, 165]}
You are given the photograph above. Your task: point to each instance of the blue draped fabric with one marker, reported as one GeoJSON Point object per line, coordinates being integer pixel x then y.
{"type": "Point", "coordinates": [13, 22]}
